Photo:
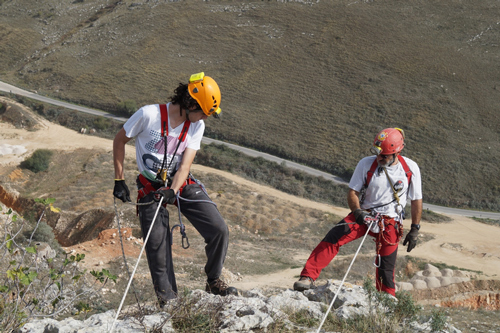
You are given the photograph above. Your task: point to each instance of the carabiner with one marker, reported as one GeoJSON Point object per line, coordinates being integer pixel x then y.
{"type": "Point", "coordinates": [183, 233]}
{"type": "Point", "coordinates": [375, 261]}
{"type": "Point", "coordinates": [187, 241]}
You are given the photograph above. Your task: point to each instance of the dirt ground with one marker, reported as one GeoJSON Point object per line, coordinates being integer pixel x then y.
{"type": "Point", "coordinates": [462, 242]}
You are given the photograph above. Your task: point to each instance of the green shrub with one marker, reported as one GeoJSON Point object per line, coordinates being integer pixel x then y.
{"type": "Point", "coordinates": [438, 320]}
{"type": "Point", "coordinates": [39, 161]}
{"type": "Point", "coordinates": [44, 233]}
{"type": "Point", "coordinates": [65, 283]}
{"type": "Point", "coordinates": [102, 123]}
{"type": "Point", "coordinates": [127, 107]}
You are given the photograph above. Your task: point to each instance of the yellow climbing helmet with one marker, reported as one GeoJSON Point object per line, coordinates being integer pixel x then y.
{"type": "Point", "coordinates": [206, 92]}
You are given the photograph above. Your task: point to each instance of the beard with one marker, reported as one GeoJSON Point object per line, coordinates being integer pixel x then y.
{"type": "Point", "coordinates": [387, 162]}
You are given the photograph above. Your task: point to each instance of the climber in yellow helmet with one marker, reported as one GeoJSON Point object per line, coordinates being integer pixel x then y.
{"type": "Point", "coordinates": [167, 137]}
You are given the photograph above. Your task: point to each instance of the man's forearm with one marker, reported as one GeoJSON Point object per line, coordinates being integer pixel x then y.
{"type": "Point", "coordinates": [119, 153]}
{"type": "Point", "coordinates": [179, 179]}
{"type": "Point", "coordinates": [118, 158]}
{"type": "Point", "coordinates": [353, 200]}
{"type": "Point", "coordinates": [416, 211]}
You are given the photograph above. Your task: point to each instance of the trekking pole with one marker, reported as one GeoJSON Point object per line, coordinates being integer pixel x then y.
{"type": "Point", "coordinates": [137, 264]}
{"type": "Point", "coordinates": [345, 276]}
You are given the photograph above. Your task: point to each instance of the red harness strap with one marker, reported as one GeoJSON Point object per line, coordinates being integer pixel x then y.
{"type": "Point", "coordinates": [164, 124]}
{"type": "Point", "coordinates": [148, 187]}
{"type": "Point", "coordinates": [374, 166]}
{"type": "Point", "coordinates": [382, 223]}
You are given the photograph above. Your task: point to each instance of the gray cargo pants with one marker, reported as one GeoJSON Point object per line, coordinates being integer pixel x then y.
{"type": "Point", "coordinates": [207, 220]}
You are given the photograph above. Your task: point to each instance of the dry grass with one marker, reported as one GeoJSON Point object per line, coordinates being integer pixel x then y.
{"type": "Point", "coordinates": [315, 90]}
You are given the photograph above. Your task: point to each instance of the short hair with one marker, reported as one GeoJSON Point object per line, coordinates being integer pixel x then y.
{"type": "Point", "coordinates": [183, 98]}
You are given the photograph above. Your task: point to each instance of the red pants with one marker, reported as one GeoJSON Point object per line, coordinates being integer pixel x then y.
{"type": "Point", "coordinates": [346, 231]}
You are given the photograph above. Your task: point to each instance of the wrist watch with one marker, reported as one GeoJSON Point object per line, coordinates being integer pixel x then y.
{"type": "Point", "coordinates": [416, 226]}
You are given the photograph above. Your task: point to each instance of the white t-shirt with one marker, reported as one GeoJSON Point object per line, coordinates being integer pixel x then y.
{"type": "Point", "coordinates": [145, 126]}
{"type": "Point", "coordinates": [379, 195]}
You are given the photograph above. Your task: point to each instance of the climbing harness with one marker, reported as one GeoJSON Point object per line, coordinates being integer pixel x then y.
{"type": "Point", "coordinates": [372, 170]}
{"type": "Point", "coordinates": [345, 276]}
{"type": "Point", "coordinates": [386, 220]}
{"type": "Point", "coordinates": [149, 188]}
{"type": "Point", "coordinates": [162, 173]}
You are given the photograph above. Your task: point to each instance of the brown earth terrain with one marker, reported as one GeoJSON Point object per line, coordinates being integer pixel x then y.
{"type": "Point", "coordinates": [272, 233]}
{"type": "Point", "coordinates": [311, 81]}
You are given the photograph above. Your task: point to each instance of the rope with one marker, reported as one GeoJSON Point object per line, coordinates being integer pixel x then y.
{"type": "Point", "coordinates": [124, 258]}
{"type": "Point", "coordinates": [345, 276]}
{"type": "Point", "coordinates": [137, 264]}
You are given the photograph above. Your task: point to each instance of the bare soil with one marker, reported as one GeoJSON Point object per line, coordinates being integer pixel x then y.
{"type": "Point", "coordinates": [272, 233]}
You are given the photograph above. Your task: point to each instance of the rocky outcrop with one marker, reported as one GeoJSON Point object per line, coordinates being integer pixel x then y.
{"type": "Point", "coordinates": [250, 312]}
{"type": "Point", "coordinates": [83, 227]}
{"type": "Point", "coordinates": [69, 228]}
{"type": "Point", "coordinates": [432, 277]}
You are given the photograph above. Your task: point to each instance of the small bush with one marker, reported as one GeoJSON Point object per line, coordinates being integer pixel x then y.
{"type": "Point", "coordinates": [102, 123]}
{"type": "Point", "coordinates": [438, 320]}
{"type": "Point", "coordinates": [44, 233]}
{"type": "Point", "coordinates": [127, 107]}
{"type": "Point", "coordinates": [33, 286]}
{"type": "Point", "coordinates": [39, 161]}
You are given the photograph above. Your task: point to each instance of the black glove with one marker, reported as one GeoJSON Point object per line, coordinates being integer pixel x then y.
{"type": "Point", "coordinates": [359, 215]}
{"type": "Point", "coordinates": [411, 238]}
{"type": "Point", "coordinates": [121, 190]}
{"type": "Point", "coordinates": [167, 193]}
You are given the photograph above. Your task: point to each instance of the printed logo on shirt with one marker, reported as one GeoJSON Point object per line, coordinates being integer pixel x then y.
{"type": "Point", "coordinates": [398, 186]}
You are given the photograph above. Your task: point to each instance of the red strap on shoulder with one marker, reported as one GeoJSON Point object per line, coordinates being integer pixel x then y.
{"type": "Point", "coordinates": [406, 168]}
{"type": "Point", "coordinates": [164, 124]}
{"type": "Point", "coordinates": [184, 131]}
{"type": "Point", "coordinates": [370, 172]}
{"type": "Point", "coordinates": [164, 119]}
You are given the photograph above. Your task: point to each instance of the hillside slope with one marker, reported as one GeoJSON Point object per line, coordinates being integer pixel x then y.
{"type": "Point", "coordinates": [312, 81]}
{"type": "Point", "coordinates": [271, 231]}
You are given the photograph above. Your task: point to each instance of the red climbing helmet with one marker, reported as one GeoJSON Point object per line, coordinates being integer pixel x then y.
{"type": "Point", "coordinates": [388, 141]}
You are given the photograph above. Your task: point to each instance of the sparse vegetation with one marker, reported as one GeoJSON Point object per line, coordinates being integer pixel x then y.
{"type": "Point", "coordinates": [272, 174]}
{"type": "Point", "coordinates": [33, 284]}
{"type": "Point", "coordinates": [127, 107]}
{"type": "Point", "coordinates": [38, 161]}
{"type": "Point", "coordinates": [438, 320]}
{"type": "Point", "coordinates": [487, 221]}
{"type": "Point", "coordinates": [386, 313]}
{"type": "Point", "coordinates": [102, 123]}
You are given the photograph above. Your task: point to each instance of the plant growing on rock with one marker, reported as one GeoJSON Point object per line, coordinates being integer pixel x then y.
{"type": "Point", "coordinates": [35, 284]}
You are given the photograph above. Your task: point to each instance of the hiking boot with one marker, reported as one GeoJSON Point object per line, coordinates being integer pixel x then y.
{"type": "Point", "coordinates": [304, 283]}
{"type": "Point", "coordinates": [219, 287]}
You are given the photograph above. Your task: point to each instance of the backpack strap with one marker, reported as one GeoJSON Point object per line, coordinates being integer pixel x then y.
{"type": "Point", "coordinates": [164, 124]}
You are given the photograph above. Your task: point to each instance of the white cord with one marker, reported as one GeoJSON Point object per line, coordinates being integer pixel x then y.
{"type": "Point", "coordinates": [137, 264]}
{"type": "Point", "coordinates": [345, 276]}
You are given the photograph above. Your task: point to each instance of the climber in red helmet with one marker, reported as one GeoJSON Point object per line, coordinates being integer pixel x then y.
{"type": "Point", "coordinates": [378, 190]}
